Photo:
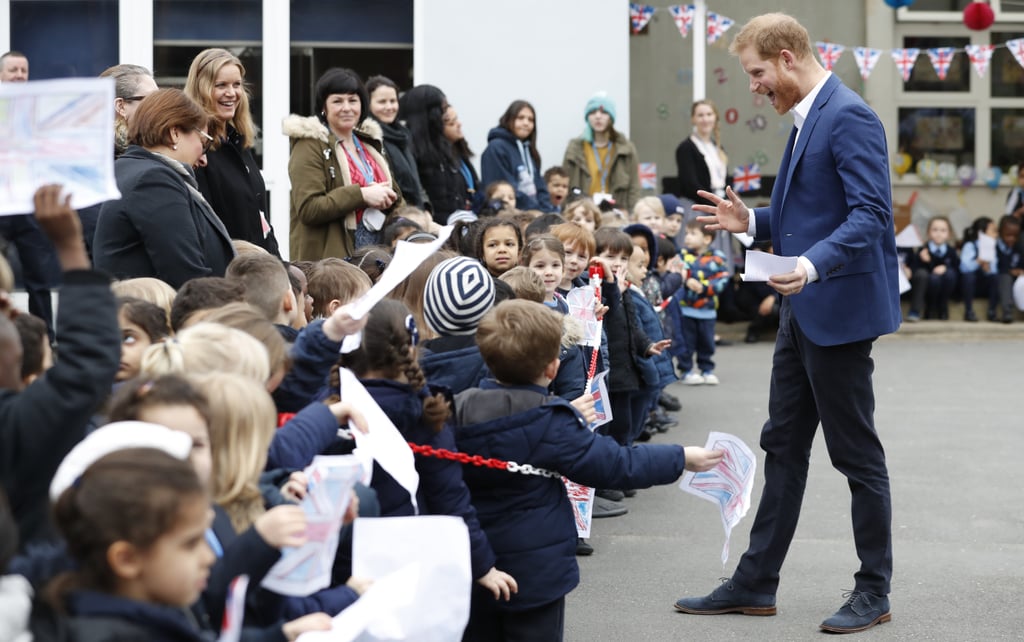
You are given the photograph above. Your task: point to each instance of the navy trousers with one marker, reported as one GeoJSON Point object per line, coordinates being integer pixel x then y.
{"type": "Point", "coordinates": [488, 622]}
{"type": "Point", "coordinates": [812, 383]}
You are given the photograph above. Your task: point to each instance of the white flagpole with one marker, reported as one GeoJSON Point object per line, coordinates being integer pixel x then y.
{"type": "Point", "coordinates": [700, 43]}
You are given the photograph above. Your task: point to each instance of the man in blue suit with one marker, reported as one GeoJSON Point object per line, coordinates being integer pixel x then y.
{"type": "Point", "coordinates": [831, 207]}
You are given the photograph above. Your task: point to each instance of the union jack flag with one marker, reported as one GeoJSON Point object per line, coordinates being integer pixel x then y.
{"type": "Point", "coordinates": [746, 178]}
{"type": "Point", "coordinates": [941, 58]}
{"type": "Point", "coordinates": [829, 53]}
{"type": "Point", "coordinates": [717, 26]}
{"type": "Point", "coordinates": [639, 16]}
{"type": "Point", "coordinates": [866, 60]}
{"type": "Point", "coordinates": [980, 56]}
{"type": "Point", "coordinates": [1016, 47]}
{"type": "Point", "coordinates": [683, 17]}
{"type": "Point", "coordinates": [905, 59]}
{"type": "Point", "coordinates": [648, 174]}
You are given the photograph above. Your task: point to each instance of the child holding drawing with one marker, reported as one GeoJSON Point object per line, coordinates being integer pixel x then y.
{"type": "Point", "coordinates": [385, 362]}
{"type": "Point", "coordinates": [528, 518]}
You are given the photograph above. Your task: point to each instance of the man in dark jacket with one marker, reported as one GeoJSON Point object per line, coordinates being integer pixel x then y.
{"type": "Point", "coordinates": [40, 424]}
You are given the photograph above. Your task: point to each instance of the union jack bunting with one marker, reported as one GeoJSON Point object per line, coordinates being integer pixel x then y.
{"type": "Point", "coordinates": [829, 53]}
{"type": "Point", "coordinates": [905, 59]}
{"type": "Point", "coordinates": [1016, 47]}
{"type": "Point", "coordinates": [683, 17]}
{"type": "Point", "coordinates": [639, 16]}
{"type": "Point", "coordinates": [980, 56]}
{"type": "Point", "coordinates": [648, 175]}
{"type": "Point", "coordinates": [746, 178]}
{"type": "Point", "coordinates": [866, 59]}
{"type": "Point", "coordinates": [941, 58]}
{"type": "Point", "coordinates": [717, 26]}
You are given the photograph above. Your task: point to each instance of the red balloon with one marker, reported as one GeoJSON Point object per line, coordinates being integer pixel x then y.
{"type": "Point", "coordinates": [979, 16]}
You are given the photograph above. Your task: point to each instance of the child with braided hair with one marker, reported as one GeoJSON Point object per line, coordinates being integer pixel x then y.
{"type": "Point", "coordinates": [386, 365]}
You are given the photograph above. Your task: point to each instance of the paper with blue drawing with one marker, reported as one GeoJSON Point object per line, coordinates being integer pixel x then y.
{"type": "Point", "coordinates": [728, 484]}
{"type": "Point", "coordinates": [57, 131]}
{"type": "Point", "coordinates": [307, 569]}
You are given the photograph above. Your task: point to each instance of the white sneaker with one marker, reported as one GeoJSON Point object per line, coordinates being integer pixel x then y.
{"type": "Point", "coordinates": [710, 379]}
{"type": "Point", "coordinates": [693, 379]}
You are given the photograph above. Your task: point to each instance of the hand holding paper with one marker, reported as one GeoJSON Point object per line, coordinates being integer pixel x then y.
{"type": "Point", "coordinates": [762, 265]}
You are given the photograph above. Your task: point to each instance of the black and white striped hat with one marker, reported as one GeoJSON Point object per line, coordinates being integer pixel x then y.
{"type": "Point", "coordinates": [458, 294]}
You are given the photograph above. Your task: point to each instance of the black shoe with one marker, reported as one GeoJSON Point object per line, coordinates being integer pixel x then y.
{"type": "Point", "coordinates": [583, 548]}
{"type": "Point", "coordinates": [861, 611]}
{"type": "Point", "coordinates": [669, 402]}
{"type": "Point", "coordinates": [658, 419]}
{"type": "Point", "coordinates": [970, 316]}
{"type": "Point", "coordinates": [991, 315]}
{"type": "Point", "coordinates": [728, 598]}
{"type": "Point", "coordinates": [607, 508]}
{"type": "Point", "coordinates": [1008, 317]}
{"type": "Point", "coordinates": [610, 494]}
{"type": "Point", "coordinates": [752, 337]}
{"type": "Point", "coordinates": [646, 434]}
{"type": "Point", "coordinates": [629, 492]}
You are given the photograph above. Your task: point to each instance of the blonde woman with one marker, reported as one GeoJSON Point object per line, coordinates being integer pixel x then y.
{"type": "Point", "coordinates": [700, 161]}
{"type": "Point", "coordinates": [231, 179]}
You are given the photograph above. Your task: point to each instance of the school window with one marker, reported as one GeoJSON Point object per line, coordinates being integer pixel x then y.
{"type": "Point", "coordinates": [965, 119]}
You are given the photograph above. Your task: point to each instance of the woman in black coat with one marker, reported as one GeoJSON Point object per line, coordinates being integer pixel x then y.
{"type": "Point", "coordinates": [383, 93]}
{"type": "Point", "coordinates": [423, 108]}
{"type": "Point", "coordinates": [162, 226]}
{"type": "Point", "coordinates": [231, 180]}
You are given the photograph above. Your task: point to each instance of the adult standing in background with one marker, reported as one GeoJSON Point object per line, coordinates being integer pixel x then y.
{"type": "Point", "coordinates": [511, 155]}
{"type": "Point", "coordinates": [832, 208]}
{"type": "Point", "coordinates": [13, 67]}
{"type": "Point", "coordinates": [423, 109]}
{"type": "Point", "coordinates": [701, 164]}
{"type": "Point", "coordinates": [162, 227]}
{"type": "Point", "coordinates": [463, 158]}
{"type": "Point", "coordinates": [341, 183]}
{"type": "Point", "coordinates": [40, 269]}
{"type": "Point", "coordinates": [132, 83]}
{"type": "Point", "coordinates": [383, 93]}
{"type": "Point", "coordinates": [602, 160]}
{"type": "Point", "coordinates": [231, 180]}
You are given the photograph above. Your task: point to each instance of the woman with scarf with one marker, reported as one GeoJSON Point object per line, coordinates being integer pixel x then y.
{"type": "Point", "coordinates": [162, 227]}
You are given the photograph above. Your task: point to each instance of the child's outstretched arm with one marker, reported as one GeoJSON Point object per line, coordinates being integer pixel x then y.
{"type": "Point", "coordinates": [699, 459]}
{"type": "Point", "coordinates": [500, 583]}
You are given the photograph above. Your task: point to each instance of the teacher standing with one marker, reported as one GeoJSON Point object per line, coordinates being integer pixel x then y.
{"type": "Point", "coordinates": [341, 183]}
{"type": "Point", "coordinates": [831, 207]}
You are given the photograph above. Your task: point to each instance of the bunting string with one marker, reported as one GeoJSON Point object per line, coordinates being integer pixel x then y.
{"type": "Point", "coordinates": [980, 56]}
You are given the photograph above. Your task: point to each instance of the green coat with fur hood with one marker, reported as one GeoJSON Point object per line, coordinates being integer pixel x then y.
{"type": "Point", "coordinates": [324, 198]}
{"type": "Point", "coordinates": [623, 179]}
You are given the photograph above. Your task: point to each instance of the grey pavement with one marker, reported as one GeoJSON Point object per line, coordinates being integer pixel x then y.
{"type": "Point", "coordinates": [949, 408]}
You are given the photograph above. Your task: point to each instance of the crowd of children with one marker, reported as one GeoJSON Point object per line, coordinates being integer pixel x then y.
{"type": "Point", "coordinates": [480, 350]}
{"type": "Point", "coordinates": [170, 430]}
{"type": "Point", "coordinates": [986, 262]}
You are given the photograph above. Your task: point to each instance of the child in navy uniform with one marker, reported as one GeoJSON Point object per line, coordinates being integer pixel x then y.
{"type": "Point", "coordinates": [528, 518]}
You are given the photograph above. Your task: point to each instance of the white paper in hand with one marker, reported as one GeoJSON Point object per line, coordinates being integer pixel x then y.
{"type": "Point", "coordinates": [383, 443]}
{"type": "Point", "coordinates": [439, 546]}
{"type": "Point", "coordinates": [761, 265]}
{"type": "Point", "coordinates": [408, 257]}
{"type": "Point", "coordinates": [728, 484]}
{"type": "Point", "coordinates": [307, 569]}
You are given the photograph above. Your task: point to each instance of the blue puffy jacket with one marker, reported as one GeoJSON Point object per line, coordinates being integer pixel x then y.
{"type": "Point", "coordinates": [441, 490]}
{"type": "Point", "coordinates": [528, 518]}
{"type": "Point", "coordinates": [501, 161]}
{"type": "Point", "coordinates": [659, 366]}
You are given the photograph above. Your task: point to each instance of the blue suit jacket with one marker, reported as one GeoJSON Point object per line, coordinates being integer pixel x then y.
{"type": "Point", "coordinates": [832, 203]}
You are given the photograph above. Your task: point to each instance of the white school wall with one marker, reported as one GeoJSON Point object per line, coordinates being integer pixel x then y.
{"type": "Point", "coordinates": [554, 53]}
